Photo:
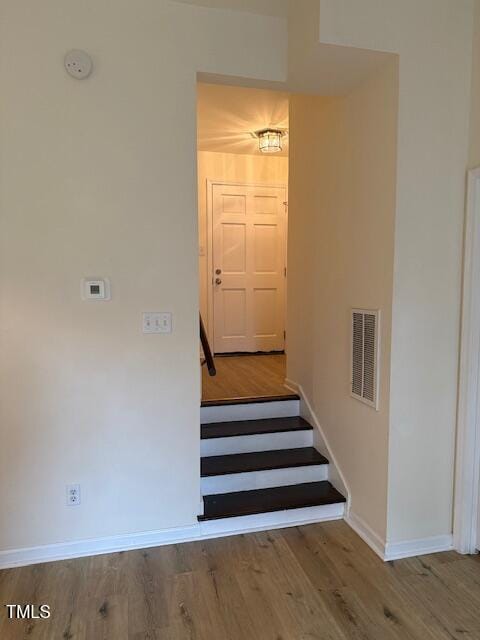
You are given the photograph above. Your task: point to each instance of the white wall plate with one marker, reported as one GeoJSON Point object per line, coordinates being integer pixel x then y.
{"type": "Point", "coordinates": [157, 322]}
{"type": "Point", "coordinates": [78, 64]}
{"type": "Point", "coordinates": [95, 289]}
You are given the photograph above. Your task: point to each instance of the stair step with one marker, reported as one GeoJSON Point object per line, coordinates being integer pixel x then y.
{"type": "Point", "coordinates": [253, 427]}
{"type": "Point", "coordinates": [260, 461]}
{"type": "Point", "coordinates": [249, 400]}
{"type": "Point", "coordinates": [261, 470]}
{"type": "Point", "coordinates": [250, 409]}
{"type": "Point", "coordinates": [243, 503]}
{"type": "Point", "coordinates": [296, 439]}
{"type": "Point", "coordinates": [263, 478]}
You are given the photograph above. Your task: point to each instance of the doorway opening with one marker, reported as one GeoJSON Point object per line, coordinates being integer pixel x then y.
{"type": "Point", "coordinates": [243, 226]}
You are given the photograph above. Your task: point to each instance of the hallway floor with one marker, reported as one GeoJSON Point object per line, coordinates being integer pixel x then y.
{"type": "Point", "coordinates": [314, 582]}
{"type": "Point", "coordinates": [246, 376]}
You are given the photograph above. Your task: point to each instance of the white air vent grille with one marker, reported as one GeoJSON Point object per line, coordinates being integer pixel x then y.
{"type": "Point", "coordinates": [365, 332]}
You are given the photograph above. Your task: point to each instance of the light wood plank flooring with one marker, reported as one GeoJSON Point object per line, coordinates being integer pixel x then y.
{"type": "Point", "coordinates": [303, 583]}
{"type": "Point", "coordinates": [245, 377]}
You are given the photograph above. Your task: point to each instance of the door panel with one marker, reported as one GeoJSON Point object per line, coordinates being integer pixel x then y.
{"type": "Point", "coordinates": [265, 248]}
{"type": "Point", "coordinates": [234, 313]}
{"type": "Point", "coordinates": [264, 305]}
{"type": "Point", "coordinates": [234, 249]}
{"type": "Point", "coordinates": [248, 277]}
{"type": "Point", "coordinates": [265, 204]}
{"type": "Point", "coordinates": [232, 203]}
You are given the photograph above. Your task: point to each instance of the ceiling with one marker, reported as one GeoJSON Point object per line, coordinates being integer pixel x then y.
{"type": "Point", "coordinates": [227, 116]}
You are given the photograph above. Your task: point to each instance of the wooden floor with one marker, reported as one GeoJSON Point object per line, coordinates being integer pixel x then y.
{"type": "Point", "coordinates": [317, 581]}
{"type": "Point", "coordinates": [245, 377]}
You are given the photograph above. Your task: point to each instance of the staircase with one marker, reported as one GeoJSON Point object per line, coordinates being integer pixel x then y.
{"type": "Point", "coordinates": [259, 468]}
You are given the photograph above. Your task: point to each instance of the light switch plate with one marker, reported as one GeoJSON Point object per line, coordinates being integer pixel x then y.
{"type": "Point", "coordinates": [157, 322]}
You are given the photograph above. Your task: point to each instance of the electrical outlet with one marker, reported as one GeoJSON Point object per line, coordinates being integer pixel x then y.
{"type": "Point", "coordinates": [73, 495]}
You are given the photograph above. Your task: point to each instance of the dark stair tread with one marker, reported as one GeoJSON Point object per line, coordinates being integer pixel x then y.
{"type": "Point", "coordinates": [249, 400]}
{"type": "Point", "coordinates": [243, 503]}
{"type": "Point", "coordinates": [260, 461]}
{"type": "Point", "coordinates": [253, 427]}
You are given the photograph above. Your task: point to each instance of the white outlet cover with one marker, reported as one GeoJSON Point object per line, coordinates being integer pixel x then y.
{"type": "Point", "coordinates": [78, 64]}
{"type": "Point", "coordinates": [73, 495]}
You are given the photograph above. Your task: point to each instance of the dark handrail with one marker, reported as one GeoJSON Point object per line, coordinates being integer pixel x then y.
{"type": "Point", "coordinates": [207, 352]}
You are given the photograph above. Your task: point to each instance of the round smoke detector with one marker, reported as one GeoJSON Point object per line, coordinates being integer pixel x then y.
{"type": "Point", "coordinates": [78, 64]}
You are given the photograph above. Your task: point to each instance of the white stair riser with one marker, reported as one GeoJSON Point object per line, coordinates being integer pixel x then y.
{"type": "Point", "coordinates": [274, 520]}
{"type": "Point", "coordinates": [263, 479]}
{"type": "Point", "coordinates": [259, 442]}
{"type": "Point", "coordinates": [254, 411]}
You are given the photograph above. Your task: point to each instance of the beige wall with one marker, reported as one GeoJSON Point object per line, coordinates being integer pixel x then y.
{"type": "Point", "coordinates": [230, 167]}
{"type": "Point", "coordinates": [98, 178]}
{"type": "Point", "coordinates": [341, 234]}
{"type": "Point", "coordinates": [474, 155]}
{"type": "Point", "coordinates": [433, 39]}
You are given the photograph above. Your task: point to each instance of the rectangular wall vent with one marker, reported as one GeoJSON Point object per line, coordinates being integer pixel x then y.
{"type": "Point", "coordinates": [365, 341]}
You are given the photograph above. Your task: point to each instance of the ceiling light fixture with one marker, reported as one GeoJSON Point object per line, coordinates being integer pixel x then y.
{"type": "Point", "coordinates": [270, 140]}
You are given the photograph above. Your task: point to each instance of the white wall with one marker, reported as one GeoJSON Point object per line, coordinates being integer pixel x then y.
{"type": "Point", "coordinates": [98, 179]}
{"type": "Point", "coordinates": [229, 167]}
{"type": "Point", "coordinates": [341, 235]}
{"type": "Point", "coordinates": [433, 38]}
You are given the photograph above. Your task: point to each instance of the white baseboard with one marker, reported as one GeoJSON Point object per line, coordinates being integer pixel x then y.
{"type": "Point", "coordinates": [419, 547]}
{"type": "Point", "coordinates": [366, 533]}
{"type": "Point", "coordinates": [221, 528]}
{"type": "Point", "coordinates": [385, 550]}
{"type": "Point", "coordinates": [96, 546]}
{"type": "Point", "coordinates": [199, 531]}
{"type": "Point", "coordinates": [398, 550]}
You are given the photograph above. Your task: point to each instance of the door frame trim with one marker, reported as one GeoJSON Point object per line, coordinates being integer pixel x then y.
{"type": "Point", "coordinates": [467, 471]}
{"type": "Point", "coordinates": [229, 183]}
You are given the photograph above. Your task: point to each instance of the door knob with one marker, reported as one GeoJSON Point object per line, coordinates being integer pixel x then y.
{"type": "Point", "coordinates": [218, 271]}
{"type": "Point", "coordinates": [218, 281]}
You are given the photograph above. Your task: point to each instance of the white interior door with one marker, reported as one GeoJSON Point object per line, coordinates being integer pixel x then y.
{"type": "Point", "coordinates": [249, 233]}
